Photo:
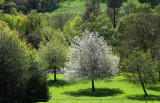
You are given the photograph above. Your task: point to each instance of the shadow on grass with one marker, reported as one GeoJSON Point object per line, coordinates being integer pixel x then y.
{"type": "Point", "coordinates": [142, 97]}
{"type": "Point", "coordinates": [100, 92]}
{"type": "Point", "coordinates": [155, 88]}
{"type": "Point", "coordinates": [58, 83]}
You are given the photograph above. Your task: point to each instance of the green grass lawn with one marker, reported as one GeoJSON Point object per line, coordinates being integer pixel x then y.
{"type": "Point", "coordinates": [76, 5]}
{"type": "Point", "coordinates": [116, 91]}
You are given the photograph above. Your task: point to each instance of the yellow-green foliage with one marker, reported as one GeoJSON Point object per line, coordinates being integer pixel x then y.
{"type": "Point", "coordinates": [14, 58]}
{"type": "Point", "coordinates": [1, 2]}
{"type": "Point", "coordinates": [12, 45]}
{"type": "Point", "coordinates": [16, 22]}
{"type": "Point", "coordinates": [22, 65]}
{"type": "Point", "coordinates": [23, 24]}
{"type": "Point", "coordinates": [73, 28]}
{"type": "Point", "coordinates": [59, 35]}
{"type": "Point", "coordinates": [144, 8]}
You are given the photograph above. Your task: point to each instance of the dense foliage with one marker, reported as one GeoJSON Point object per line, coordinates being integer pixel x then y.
{"type": "Point", "coordinates": [28, 5]}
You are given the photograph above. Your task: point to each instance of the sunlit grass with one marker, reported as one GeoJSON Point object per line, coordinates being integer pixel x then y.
{"type": "Point", "coordinates": [116, 91]}
{"type": "Point", "coordinates": [76, 5]}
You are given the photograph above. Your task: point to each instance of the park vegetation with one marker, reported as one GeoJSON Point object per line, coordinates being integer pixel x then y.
{"type": "Point", "coordinates": [42, 37]}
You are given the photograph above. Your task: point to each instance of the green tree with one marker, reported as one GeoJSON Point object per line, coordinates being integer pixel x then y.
{"type": "Point", "coordinates": [36, 89]}
{"type": "Point", "coordinates": [34, 22]}
{"type": "Point", "coordinates": [73, 28]}
{"type": "Point", "coordinates": [101, 24]}
{"type": "Point", "coordinates": [140, 69]}
{"type": "Point", "coordinates": [54, 55]}
{"type": "Point", "coordinates": [21, 70]}
{"type": "Point", "coordinates": [14, 60]}
{"type": "Point", "coordinates": [138, 30]}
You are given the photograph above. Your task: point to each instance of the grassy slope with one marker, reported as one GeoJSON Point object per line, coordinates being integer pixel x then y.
{"type": "Point", "coordinates": [76, 5]}
{"type": "Point", "coordinates": [117, 89]}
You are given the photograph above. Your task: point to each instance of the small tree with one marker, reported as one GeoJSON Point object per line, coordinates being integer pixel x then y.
{"type": "Point", "coordinates": [91, 59]}
{"type": "Point", "coordinates": [140, 69]}
{"type": "Point", "coordinates": [54, 54]}
{"type": "Point", "coordinates": [114, 4]}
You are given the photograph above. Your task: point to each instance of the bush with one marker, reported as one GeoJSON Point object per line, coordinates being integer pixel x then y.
{"type": "Point", "coordinates": [36, 87]}
{"type": "Point", "coordinates": [21, 74]}
{"type": "Point", "coordinates": [14, 60]}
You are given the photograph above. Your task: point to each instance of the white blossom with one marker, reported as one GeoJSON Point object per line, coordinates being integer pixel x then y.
{"type": "Point", "coordinates": [91, 58]}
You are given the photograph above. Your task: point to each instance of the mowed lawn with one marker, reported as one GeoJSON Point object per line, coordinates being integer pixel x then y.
{"type": "Point", "coordinates": [116, 91]}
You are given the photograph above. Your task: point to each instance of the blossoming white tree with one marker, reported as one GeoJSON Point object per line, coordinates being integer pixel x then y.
{"type": "Point", "coordinates": [91, 59]}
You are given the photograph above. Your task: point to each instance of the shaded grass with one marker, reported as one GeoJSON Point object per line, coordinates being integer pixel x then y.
{"type": "Point", "coordinates": [142, 97]}
{"type": "Point", "coordinates": [58, 83]}
{"type": "Point", "coordinates": [155, 88]}
{"type": "Point", "coordinates": [100, 92]}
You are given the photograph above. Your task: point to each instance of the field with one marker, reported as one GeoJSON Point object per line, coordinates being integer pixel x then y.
{"type": "Point", "coordinates": [76, 5]}
{"type": "Point", "coordinates": [116, 91]}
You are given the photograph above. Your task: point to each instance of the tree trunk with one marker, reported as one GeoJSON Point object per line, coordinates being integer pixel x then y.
{"type": "Point", "coordinates": [55, 72]}
{"type": "Point", "coordinates": [93, 88]}
{"type": "Point", "coordinates": [114, 17]}
{"type": "Point", "coordinates": [146, 94]}
{"type": "Point", "coordinates": [142, 83]}
{"type": "Point", "coordinates": [159, 76]}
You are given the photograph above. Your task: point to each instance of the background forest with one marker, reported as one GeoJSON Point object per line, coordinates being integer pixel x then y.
{"type": "Point", "coordinates": [55, 49]}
